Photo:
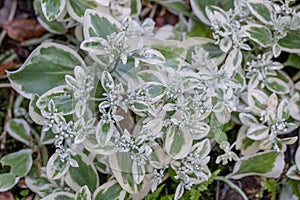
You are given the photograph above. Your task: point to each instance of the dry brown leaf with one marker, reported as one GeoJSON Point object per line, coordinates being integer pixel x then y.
{"type": "Point", "coordinates": [23, 29]}
{"type": "Point", "coordinates": [7, 66]}
{"type": "Point", "coordinates": [6, 196]}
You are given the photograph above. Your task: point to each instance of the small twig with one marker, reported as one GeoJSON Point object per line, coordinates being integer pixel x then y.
{"type": "Point", "coordinates": [7, 118]}
{"type": "Point", "coordinates": [10, 18]}
{"type": "Point", "coordinates": [218, 190]}
{"type": "Point", "coordinates": [232, 185]}
{"type": "Point", "coordinates": [5, 85]}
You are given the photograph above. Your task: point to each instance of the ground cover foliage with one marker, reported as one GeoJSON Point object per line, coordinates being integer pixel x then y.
{"type": "Point", "coordinates": [113, 103]}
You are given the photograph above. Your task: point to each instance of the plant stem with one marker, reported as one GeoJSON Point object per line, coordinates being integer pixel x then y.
{"type": "Point", "coordinates": [232, 185]}
{"type": "Point", "coordinates": [10, 18]}
{"type": "Point", "coordinates": [5, 85]}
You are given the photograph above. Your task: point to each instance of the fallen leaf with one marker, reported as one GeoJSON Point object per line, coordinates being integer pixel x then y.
{"type": "Point", "coordinates": [6, 196]}
{"type": "Point", "coordinates": [7, 66]}
{"type": "Point", "coordinates": [23, 29]}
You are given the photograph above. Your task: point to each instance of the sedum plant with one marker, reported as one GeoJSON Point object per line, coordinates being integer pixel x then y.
{"type": "Point", "coordinates": [140, 104]}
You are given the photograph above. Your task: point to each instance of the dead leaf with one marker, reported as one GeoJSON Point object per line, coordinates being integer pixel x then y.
{"type": "Point", "coordinates": [128, 121]}
{"type": "Point", "coordinates": [7, 66]}
{"type": "Point", "coordinates": [23, 29]}
{"type": "Point", "coordinates": [6, 196]}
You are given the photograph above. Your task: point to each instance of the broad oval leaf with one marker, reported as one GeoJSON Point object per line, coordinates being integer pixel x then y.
{"type": "Point", "coordinates": [96, 24]}
{"type": "Point", "coordinates": [121, 165]}
{"type": "Point", "coordinates": [56, 168]}
{"type": "Point", "coordinates": [271, 164]}
{"type": "Point", "coordinates": [257, 100]}
{"type": "Point", "coordinates": [62, 97]}
{"type": "Point", "coordinates": [46, 68]}
{"type": "Point", "coordinates": [60, 196]}
{"type": "Point", "coordinates": [259, 34]}
{"type": "Point", "coordinates": [83, 194]}
{"type": "Point", "coordinates": [257, 132]}
{"type": "Point", "coordinates": [248, 119]}
{"type": "Point", "coordinates": [84, 174]}
{"type": "Point", "coordinates": [262, 10]}
{"type": "Point", "coordinates": [20, 162]}
{"type": "Point", "coordinates": [291, 43]}
{"type": "Point", "coordinates": [110, 190]}
{"type": "Point", "coordinates": [277, 85]}
{"type": "Point", "coordinates": [7, 181]}
{"type": "Point", "coordinates": [53, 26]}
{"type": "Point", "coordinates": [77, 8]}
{"type": "Point", "coordinates": [53, 8]}
{"type": "Point", "coordinates": [178, 142]}
{"type": "Point", "coordinates": [19, 129]}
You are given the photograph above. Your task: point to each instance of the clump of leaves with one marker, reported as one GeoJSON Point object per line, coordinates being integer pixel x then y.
{"type": "Point", "coordinates": [147, 102]}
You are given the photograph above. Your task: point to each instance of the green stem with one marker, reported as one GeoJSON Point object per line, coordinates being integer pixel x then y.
{"type": "Point", "coordinates": [232, 185]}
{"type": "Point", "coordinates": [97, 99]}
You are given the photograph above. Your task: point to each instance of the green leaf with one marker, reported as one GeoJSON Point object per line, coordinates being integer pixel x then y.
{"type": "Point", "coordinates": [259, 34]}
{"type": "Point", "coordinates": [62, 97]}
{"type": "Point", "coordinates": [199, 6]}
{"type": "Point", "coordinates": [177, 6]}
{"type": "Point", "coordinates": [294, 106]}
{"type": "Point", "coordinates": [53, 8]}
{"type": "Point", "coordinates": [258, 100]}
{"type": "Point", "coordinates": [77, 8]}
{"type": "Point", "coordinates": [7, 181]}
{"type": "Point", "coordinates": [110, 190]}
{"type": "Point", "coordinates": [262, 10]}
{"type": "Point", "coordinates": [277, 85]}
{"type": "Point", "coordinates": [248, 119]}
{"type": "Point", "coordinates": [19, 129]}
{"type": "Point", "coordinates": [121, 166]}
{"type": "Point", "coordinates": [46, 68]}
{"type": "Point", "coordinates": [60, 196]}
{"type": "Point", "coordinates": [155, 195]}
{"type": "Point", "coordinates": [291, 42]}
{"type": "Point", "coordinates": [20, 162]}
{"type": "Point", "coordinates": [53, 26]}
{"type": "Point", "coordinates": [293, 61]}
{"type": "Point", "coordinates": [56, 168]}
{"type": "Point", "coordinates": [257, 132]}
{"type": "Point", "coordinates": [178, 142]}
{"type": "Point", "coordinates": [84, 174]}
{"type": "Point", "coordinates": [83, 194]}
{"type": "Point", "coordinates": [34, 111]}
{"type": "Point", "coordinates": [99, 25]}
{"type": "Point", "coordinates": [267, 164]}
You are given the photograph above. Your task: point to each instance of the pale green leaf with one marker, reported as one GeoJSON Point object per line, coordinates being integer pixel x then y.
{"type": "Point", "coordinates": [53, 8]}
{"type": "Point", "coordinates": [291, 43]}
{"type": "Point", "coordinates": [110, 190]}
{"type": "Point", "coordinates": [268, 164]}
{"type": "Point", "coordinates": [257, 132]}
{"type": "Point", "coordinates": [19, 129]}
{"type": "Point", "coordinates": [20, 162]}
{"type": "Point", "coordinates": [46, 68]}
{"type": "Point", "coordinates": [178, 142]}
{"type": "Point", "coordinates": [277, 85]}
{"type": "Point", "coordinates": [7, 181]}
{"type": "Point", "coordinates": [262, 10]}
{"type": "Point", "coordinates": [83, 194]}
{"type": "Point", "coordinates": [77, 8]}
{"type": "Point", "coordinates": [84, 174]}
{"type": "Point", "coordinates": [259, 34]}
{"type": "Point", "coordinates": [60, 196]}
{"type": "Point", "coordinates": [99, 25]}
{"type": "Point", "coordinates": [53, 26]}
